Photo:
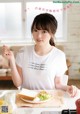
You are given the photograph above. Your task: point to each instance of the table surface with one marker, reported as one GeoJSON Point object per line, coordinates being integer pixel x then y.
{"type": "Point", "coordinates": [10, 95]}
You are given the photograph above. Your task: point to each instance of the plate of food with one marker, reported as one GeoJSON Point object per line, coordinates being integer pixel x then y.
{"type": "Point", "coordinates": [32, 96]}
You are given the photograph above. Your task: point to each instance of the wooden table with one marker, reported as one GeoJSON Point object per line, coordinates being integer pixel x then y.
{"type": "Point", "coordinates": [10, 97]}
{"type": "Point", "coordinates": [5, 78]}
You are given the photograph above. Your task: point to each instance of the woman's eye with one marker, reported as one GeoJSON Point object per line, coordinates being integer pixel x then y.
{"type": "Point", "coordinates": [35, 30]}
{"type": "Point", "coordinates": [44, 31]}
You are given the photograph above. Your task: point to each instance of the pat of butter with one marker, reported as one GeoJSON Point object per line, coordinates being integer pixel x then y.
{"type": "Point", "coordinates": [37, 99]}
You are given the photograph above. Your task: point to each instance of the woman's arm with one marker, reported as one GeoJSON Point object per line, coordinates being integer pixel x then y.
{"type": "Point", "coordinates": [15, 70]}
{"type": "Point", "coordinates": [16, 74]}
{"type": "Point", "coordinates": [72, 90]}
{"type": "Point", "coordinates": [58, 84]}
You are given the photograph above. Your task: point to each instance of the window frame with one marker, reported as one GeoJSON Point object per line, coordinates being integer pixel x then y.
{"type": "Point", "coordinates": [24, 41]}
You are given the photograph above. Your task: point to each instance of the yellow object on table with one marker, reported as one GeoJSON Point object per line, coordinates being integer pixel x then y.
{"type": "Point", "coordinates": [1, 102]}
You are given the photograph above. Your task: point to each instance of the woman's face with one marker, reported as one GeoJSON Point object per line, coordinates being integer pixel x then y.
{"type": "Point", "coordinates": [41, 37]}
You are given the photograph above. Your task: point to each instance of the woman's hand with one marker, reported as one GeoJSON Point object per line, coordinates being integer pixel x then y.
{"type": "Point", "coordinates": [7, 53]}
{"type": "Point", "coordinates": [72, 90]}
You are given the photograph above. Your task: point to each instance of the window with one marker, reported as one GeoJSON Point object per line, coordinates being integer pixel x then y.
{"type": "Point", "coordinates": [34, 8]}
{"type": "Point", "coordinates": [10, 21]}
{"type": "Point", "coordinates": [16, 18]}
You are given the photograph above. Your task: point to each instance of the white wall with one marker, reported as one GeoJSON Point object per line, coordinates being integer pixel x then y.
{"type": "Point", "coordinates": [72, 46]}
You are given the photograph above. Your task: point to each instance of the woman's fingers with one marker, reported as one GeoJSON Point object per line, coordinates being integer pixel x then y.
{"type": "Point", "coordinates": [6, 47]}
{"type": "Point", "coordinates": [72, 90]}
{"type": "Point", "coordinates": [5, 51]}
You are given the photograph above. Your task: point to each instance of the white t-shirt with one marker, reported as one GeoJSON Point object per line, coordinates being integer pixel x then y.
{"type": "Point", "coordinates": [39, 71]}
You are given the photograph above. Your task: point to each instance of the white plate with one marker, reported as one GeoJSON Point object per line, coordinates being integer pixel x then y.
{"type": "Point", "coordinates": [29, 101]}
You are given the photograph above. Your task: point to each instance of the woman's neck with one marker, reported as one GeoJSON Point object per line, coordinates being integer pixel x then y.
{"type": "Point", "coordinates": [43, 50]}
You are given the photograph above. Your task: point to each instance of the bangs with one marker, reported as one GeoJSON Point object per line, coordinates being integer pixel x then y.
{"type": "Point", "coordinates": [41, 26]}
{"type": "Point", "coordinates": [44, 22]}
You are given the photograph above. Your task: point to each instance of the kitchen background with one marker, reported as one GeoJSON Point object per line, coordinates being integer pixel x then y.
{"type": "Point", "coordinates": [71, 45]}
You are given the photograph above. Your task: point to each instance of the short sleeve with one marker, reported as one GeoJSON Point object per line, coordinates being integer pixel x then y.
{"type": "Point", "coordinates": [61, 65]}
{"type": "Point", "coordinates": [19, 57]}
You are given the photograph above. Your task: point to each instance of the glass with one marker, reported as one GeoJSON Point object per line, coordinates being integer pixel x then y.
{"type": "Point", "coordinates": [7, 104]}
{"type": "Point", "coordinates": [10, 21]}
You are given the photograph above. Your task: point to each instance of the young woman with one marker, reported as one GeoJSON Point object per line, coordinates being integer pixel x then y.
{"type": "Point", "coordinates": [41, 65]}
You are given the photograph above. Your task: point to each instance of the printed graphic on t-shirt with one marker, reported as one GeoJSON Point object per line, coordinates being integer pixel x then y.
{"type": "Point", "coordinates": [37, 66]}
